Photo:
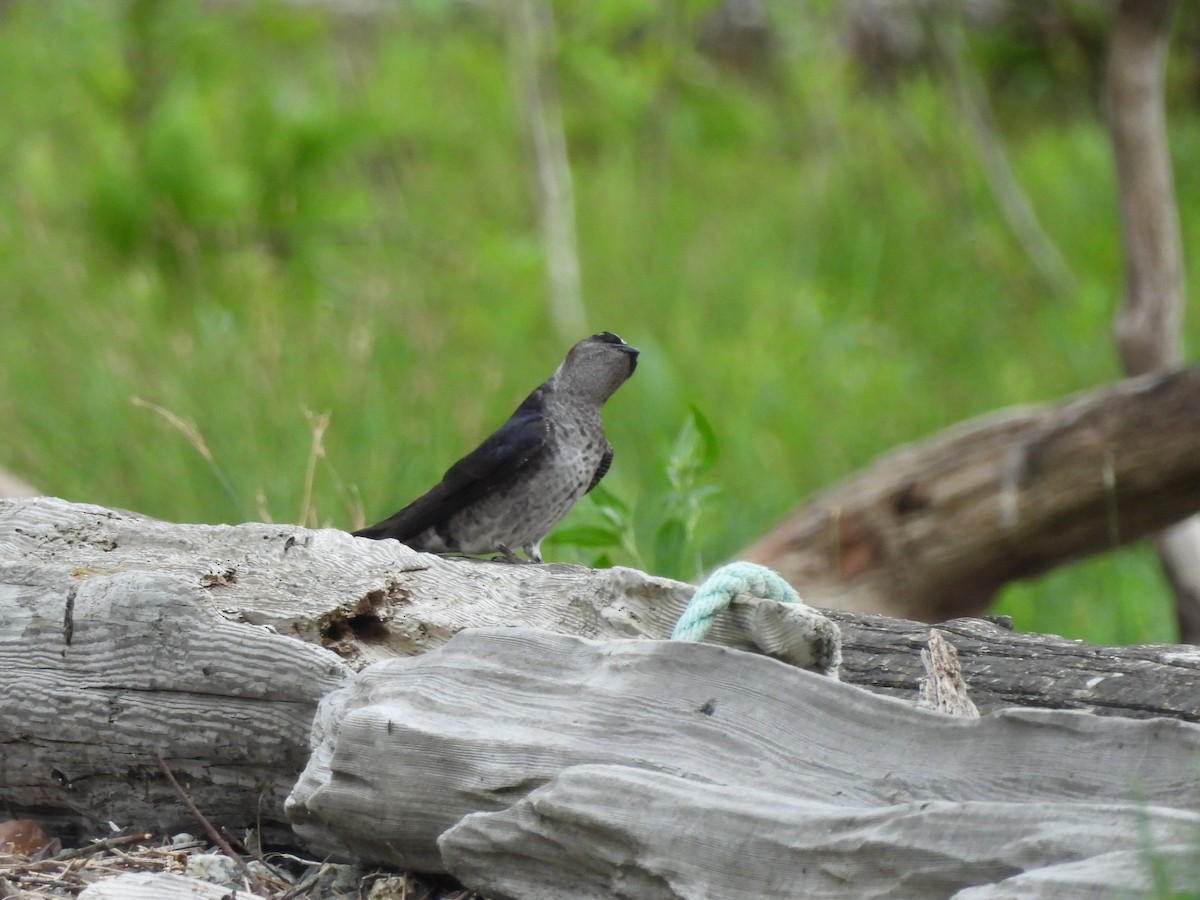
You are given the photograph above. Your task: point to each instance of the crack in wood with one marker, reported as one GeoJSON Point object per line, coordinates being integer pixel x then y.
{"type": "Point", "coordinates": [69, 615]}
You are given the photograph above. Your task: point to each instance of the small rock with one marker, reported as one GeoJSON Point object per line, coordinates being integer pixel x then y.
{"type": "Point", "coordinates": [391, 887]}
{"type": "Point", "coordinates": [183, 838]}
{"type": "Point", "coordinates": [214, 868]}
{"type": "Point", "coordinates": [337, 880]}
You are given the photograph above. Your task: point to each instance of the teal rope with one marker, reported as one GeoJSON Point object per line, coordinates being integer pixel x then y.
{"type": "Point", "coordinates": [718, 591]}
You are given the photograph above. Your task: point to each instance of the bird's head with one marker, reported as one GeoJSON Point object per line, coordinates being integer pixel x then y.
{"type": "Point", "coordinates": [596, 367]}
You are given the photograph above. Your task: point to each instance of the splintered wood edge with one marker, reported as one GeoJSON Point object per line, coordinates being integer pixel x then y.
{"type": "Point", "coordinates": [943, 687]}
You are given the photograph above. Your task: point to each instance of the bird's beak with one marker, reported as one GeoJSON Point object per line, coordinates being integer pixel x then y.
{"type": "Point", "coordinates": [633, 356]}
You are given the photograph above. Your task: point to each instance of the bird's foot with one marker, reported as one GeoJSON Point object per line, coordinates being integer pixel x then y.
{"type": "Point", "coordinates": [507, 556]}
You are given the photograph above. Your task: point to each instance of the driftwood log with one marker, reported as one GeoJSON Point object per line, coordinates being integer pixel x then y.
{"type": "Point", "coordinates": [123, 638]}
{"type": "Point", "coordinates": [531, 764]}
{"type": "Point", "coordinates": [933, 530]}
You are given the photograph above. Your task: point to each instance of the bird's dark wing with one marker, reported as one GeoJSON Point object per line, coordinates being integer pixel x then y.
{"type": "Point", "coordinates": [603, 467]}
{"type": "Point", "coordinates": [512, 446]}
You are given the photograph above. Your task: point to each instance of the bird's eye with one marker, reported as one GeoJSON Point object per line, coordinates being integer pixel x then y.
{"type": "Point", "coordinates": [607, 337]}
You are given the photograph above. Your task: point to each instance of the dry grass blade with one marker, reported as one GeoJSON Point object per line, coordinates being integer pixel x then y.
{"type": "Point", "coordinates": [317, 423]}
{"type": "Point", "coordinates": [99, 846]}
{"type": "Point", "coordinates": [192, 434]}
{"type": "Point", "coordinates": [186, 427]}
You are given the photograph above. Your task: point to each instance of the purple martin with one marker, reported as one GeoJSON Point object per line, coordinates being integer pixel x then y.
{"type": "Point", "coordinates": [515, 486]}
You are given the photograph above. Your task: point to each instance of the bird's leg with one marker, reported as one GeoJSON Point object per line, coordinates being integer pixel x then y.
{"type": "Point", "coordinates": [508, 556]}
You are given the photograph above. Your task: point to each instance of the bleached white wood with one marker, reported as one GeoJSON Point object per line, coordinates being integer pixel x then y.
{"type": "Point", "coordinates": [123, 637]}
{"type": "Point", "coordinates": [615, 831]}
{"type": "Point", "coordinates": [157, 886]}
{"type": "Point", "coordinates": [943, 687]}
{"type": "Point", "coordinates": [1117, 875]}
{"type": "Point", "coordinates": [114, 653]}
{"type": "Point", "coordinates": [648, 769]}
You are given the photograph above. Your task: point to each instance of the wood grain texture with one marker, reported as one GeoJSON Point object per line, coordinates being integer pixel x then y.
{"type": "Point", "coordinates": [531, 764]}
{"type": "Point", "coordinates": [157, 886]}
{"type": "Point", "coordinates": [943, 688]}
{"type": "Point", "coordinates": [115, 650]}
{"type": "Point", "coordinates": [1010, 668]}
{"type": "Point", "coordinates": [122, 637]}
{"type": "Point", "coordinates": [677, 839]}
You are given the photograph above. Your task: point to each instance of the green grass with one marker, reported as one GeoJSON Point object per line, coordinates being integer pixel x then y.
{"type": "Point", "coordinates": [248, 213]}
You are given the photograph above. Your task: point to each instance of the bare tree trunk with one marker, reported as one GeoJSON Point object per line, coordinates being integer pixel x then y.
{"type": "Point", "coordinates": [1148, 321]}
{"type": "Point", "coordinates": [1011, 200]}
{"type": "Point", "coordinates": [532, 44]}
{"type": "Point", "coordinates": [1147, 324]}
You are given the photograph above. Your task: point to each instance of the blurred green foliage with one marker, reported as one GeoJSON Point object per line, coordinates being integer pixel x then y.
{"type": "Point", "coordinates": [245, 213]}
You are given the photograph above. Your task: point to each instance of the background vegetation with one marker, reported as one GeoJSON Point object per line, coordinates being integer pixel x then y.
{"type": "Point", "coordinates": [259, 214]}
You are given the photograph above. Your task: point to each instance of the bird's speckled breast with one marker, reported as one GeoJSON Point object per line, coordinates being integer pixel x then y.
{"type": "Point", "coordinates": [527, 508]}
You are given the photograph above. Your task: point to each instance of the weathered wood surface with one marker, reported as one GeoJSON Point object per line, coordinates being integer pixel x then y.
{"type": "Point", "coordinates": [532, 765]}
{"type": "Point", "coordinates": [770, 847]}
{"type": "Point", "coordinates": [1005, 668]}
{"type": "Point", "coordinates": [943, 688]}
{"type": "Point", "coordinates": [122, 637]}
{"type": "Point", "coordinates": [157, 886]}
{"type": "Point", "coordinates": [933, 530]}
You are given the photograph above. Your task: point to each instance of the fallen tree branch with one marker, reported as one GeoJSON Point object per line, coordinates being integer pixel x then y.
{"type": "Point", "coordinates": [213, 834]}
{"type": "Point", "coordinates": [933, 530]}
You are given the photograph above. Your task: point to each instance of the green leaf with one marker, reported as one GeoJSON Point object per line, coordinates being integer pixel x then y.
{"type": "Point", "coordinates": [668, 545]}
{"type": "Point", "coordinates": [587, 536]}
{"type": "Point", "coordinates": [618, 520]}
{"type": "Point", "coordinates": [603, 561]}
{"type": "Point", "coordinates": [695, 450]}
{"type": "Point", "coordinates": [709, 451]}
{"type": "Point", "coordinates": [606, 499]}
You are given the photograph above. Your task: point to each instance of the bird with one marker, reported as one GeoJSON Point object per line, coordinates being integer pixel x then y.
{"type": "Point", "coordinates": [512, 489]}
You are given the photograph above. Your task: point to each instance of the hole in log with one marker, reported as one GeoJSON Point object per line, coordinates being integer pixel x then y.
{"type": "Point", "coordinates": [365, 627]}
{"type": "Point", "coordinates": [368, 628]}
{"type": "Point", "coordinates": [909, 499]}
{"type": "Point", "coordinates": [364, 622]}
